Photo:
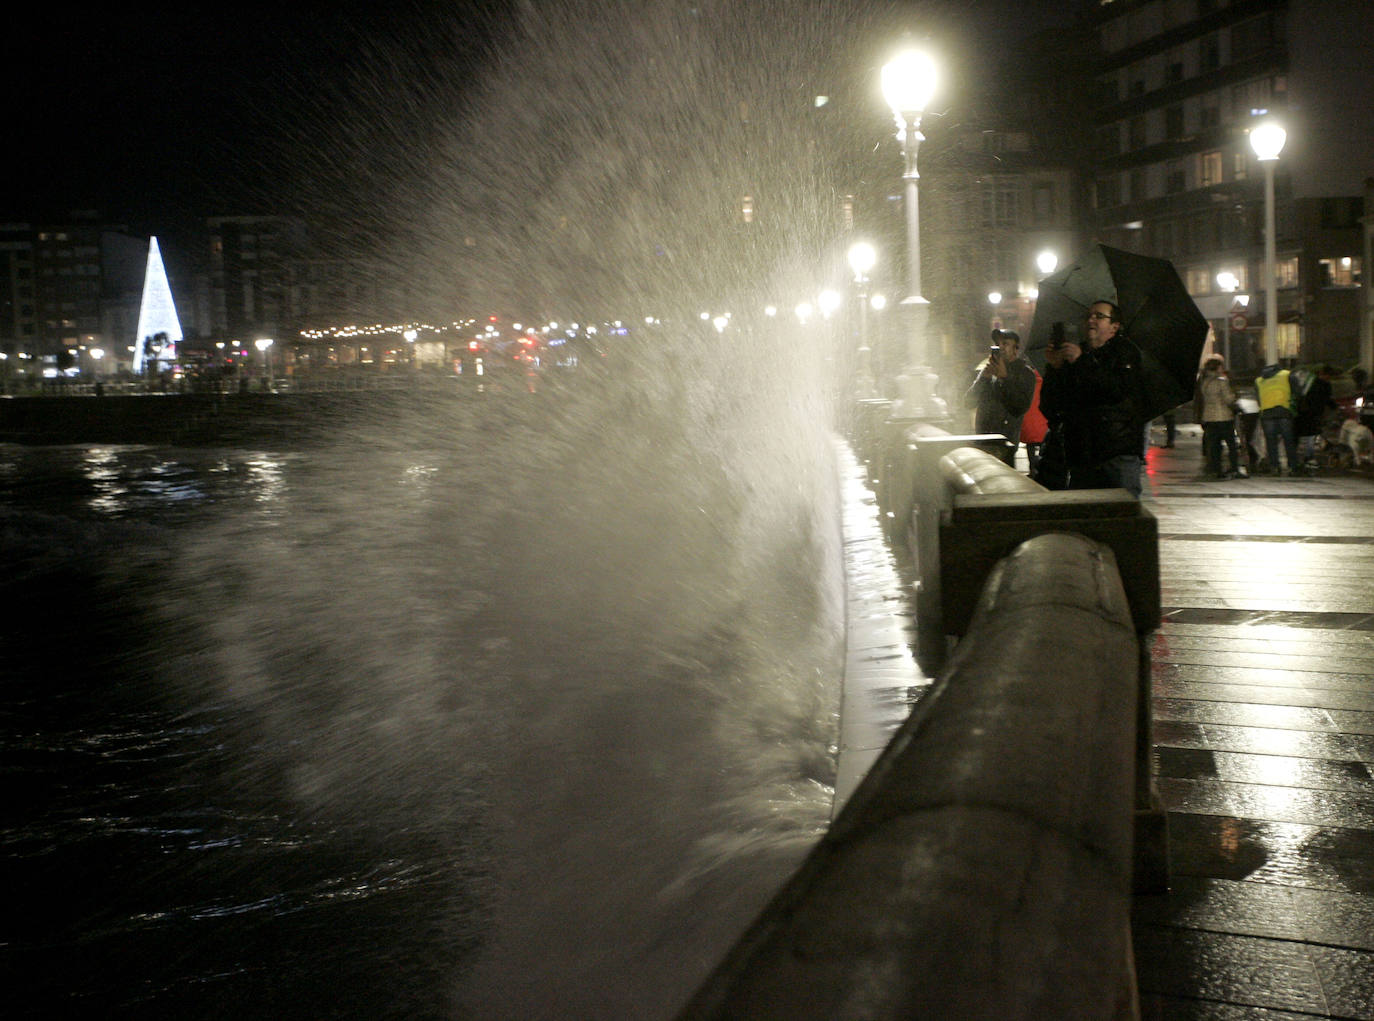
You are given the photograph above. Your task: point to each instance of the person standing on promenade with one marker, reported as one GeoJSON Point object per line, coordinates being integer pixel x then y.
{"type": "Point", "coordinates": [1002, 391]}
{"type": "Point", "coordinates": [1218, 417]}
{"type": "Point", "coordinates": [1276, 417]}
{"type": "Point", "coordinates": [1247, 408]}
{"type": "Point", "coordinates": [1093, 389]}
{"type": "Point", "coordinates": [1312, 408]}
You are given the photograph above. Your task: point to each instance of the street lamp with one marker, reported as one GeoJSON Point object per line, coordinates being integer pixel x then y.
{"type": "Point", "coordinates": [1229, 283]}
{"type": "Point", "coordinates": [1046, 262]}
{"type": "Point", "coordinates": [1267, 140]}
{"type": "Point", "coordinates": [908, 82]}
{"type": "Point", "coordinates": [862, 257]}
{"type": "Point", "coordinates": [262, 344]}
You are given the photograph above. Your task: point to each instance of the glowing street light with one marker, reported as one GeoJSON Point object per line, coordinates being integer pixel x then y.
{"type": "Point", "coordinates": [908, 83]}
{"type": "Point", "coordinates": [1046, 262]}
{"type": "Point", "coordinates": [263, 344]}
{"type": "Point", "coordinates": [1230, 283]}
{"type": "Point", "coordinates": [1267, 140]}
{"type": "Point", "coordinates": [829, 300]}
{"type": "Point", "coordinates": [862, 258]}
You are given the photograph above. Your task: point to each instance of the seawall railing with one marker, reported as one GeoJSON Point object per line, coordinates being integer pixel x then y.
{"type": "Point", "coordinates": [985, 865]}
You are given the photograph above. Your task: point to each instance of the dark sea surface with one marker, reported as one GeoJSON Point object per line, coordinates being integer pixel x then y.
{"type": "Point", "coordinates": [502, 714]}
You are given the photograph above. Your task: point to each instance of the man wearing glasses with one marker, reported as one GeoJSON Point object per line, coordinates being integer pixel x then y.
{"type": "Point", "coordinates": [1091, 390]}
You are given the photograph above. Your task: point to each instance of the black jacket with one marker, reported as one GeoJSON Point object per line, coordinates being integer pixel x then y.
{"type": "Point", "coordinates": [1096, 401]}
{"type": "Point", "coordinates": [1000, 404]}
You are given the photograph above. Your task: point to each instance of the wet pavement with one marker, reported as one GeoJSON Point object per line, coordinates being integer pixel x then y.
{"type": "Point", "coordinates": [1264, 733]}
{"type": "Point", "coordinates": [1264, 745]}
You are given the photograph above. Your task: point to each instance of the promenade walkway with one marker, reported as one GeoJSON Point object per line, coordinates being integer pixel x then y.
{"type": "Point", "coordinates": [1264, 746]}
{"type": "Point", "coordinates": [1264, 735]}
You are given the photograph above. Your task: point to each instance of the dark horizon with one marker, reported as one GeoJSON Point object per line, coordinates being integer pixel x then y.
{"type": "Point", "coordinates": [160, 118]}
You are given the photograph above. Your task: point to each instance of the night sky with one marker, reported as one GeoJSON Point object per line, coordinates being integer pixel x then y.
{"type": "Point", "coordinates": [172, 112]}
{"type": "Point", "coordinates": [158, 115]}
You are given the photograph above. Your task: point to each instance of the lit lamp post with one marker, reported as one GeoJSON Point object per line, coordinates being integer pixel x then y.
{"type": "Point", "coordinates": [264, 345]}
{"type": "Point", "coordinates": [1267, 140]}
{"type": "Point", "coordinates": [995, 300]}
{"type": "Point", "coordinates": [1046, 262]}
{"type": "Point", "coordinates": [1229, 283]}
{"type": "Point", "coordinates": [862, 258]}
{"type": "Point", "coordinates": [908, 82]}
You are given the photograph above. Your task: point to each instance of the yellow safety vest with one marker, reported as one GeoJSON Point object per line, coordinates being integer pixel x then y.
{"type": "Point", "coordinates": [1274, 391]}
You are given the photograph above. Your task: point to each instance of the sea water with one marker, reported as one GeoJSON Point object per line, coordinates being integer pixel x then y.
{"type": "Point", "coordinates": [524, 714]}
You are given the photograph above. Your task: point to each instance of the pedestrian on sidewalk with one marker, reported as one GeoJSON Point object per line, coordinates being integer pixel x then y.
{"type": "Point", "coordinates": [1218, 416]}
{"type": "Point", "coordinates": [1002, 391]}
{"type": "Point", "coordinates": [1094, 390]}
{"type": "Point", "coordinates": [1170, 418]}
{"type": "Point", "coordinates": [1276, 417]}
{"type": "Point", "coordinates": [1312, 409]}
{"type": "Point", "coordinates": [1248, 411]}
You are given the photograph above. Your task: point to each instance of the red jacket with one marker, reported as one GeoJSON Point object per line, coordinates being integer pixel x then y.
{"type": "Point", "coordinates": [1034, 426]}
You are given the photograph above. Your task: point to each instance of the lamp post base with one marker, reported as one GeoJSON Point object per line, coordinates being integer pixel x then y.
{"type": "Point", "coordinates": [916, 397]}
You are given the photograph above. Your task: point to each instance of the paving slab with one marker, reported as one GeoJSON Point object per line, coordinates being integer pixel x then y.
{"type": "Point", "coordinates": [1264, 745]}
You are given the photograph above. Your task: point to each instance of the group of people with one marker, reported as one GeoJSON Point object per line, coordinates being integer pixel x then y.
{"type": "Point", "coordinates": [1083, 424]}
{"type": "Point", "coordinates": [1081, 421]}
{"type": "Point", "coordinates": [1291, 412]}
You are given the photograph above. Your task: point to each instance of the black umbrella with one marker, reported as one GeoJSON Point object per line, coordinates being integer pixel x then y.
{"type": "Point", "coordinates": [1157, 314]}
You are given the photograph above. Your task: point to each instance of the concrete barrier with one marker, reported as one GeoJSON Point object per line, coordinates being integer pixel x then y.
{"type": "Point", "coordinates": [917, 496]}
{"type": "Point", "coordinates": [991, 508]}
{"type": "Point", "coordinates": [983, 867]}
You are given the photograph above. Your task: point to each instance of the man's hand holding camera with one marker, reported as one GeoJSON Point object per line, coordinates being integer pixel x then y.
{"type": "Point", "coordinates": [1066, 353]}
{"type": "Point", "coordinates": [1061, 350]}
{"type": "Point", "coordinates": [996, 368]}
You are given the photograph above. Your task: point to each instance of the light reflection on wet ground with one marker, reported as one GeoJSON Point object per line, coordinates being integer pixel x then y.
{"type": "Point", "coordinates": [1264, 745]}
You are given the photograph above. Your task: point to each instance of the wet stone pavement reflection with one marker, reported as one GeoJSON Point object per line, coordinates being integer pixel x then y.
{"type": "Point", "coordinates": [1264, 745]}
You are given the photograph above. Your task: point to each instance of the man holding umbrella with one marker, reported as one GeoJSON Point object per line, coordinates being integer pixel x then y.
{"type": "Point", "coordinates": [1094, 389]}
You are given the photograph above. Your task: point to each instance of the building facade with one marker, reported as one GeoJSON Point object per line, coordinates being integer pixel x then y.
{"type": "Point", "coordinates": [18, 298]}
{"type": "Point", "coordinates": [1180, 85]}
{"type": "Point", "coordinates": [1001, 217]}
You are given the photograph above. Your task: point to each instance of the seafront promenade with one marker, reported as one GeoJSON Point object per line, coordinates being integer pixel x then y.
{"type": "Point", "coordinates": [1263, 677]}
{"type": "Point", "coordinates": [1264, 746]}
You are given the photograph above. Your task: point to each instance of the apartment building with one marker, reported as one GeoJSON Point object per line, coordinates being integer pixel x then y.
{"type": "Point", "coordinates": [1180, 85]}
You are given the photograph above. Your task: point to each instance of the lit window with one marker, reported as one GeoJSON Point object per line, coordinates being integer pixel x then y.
{"type": "Point", "coordinates": [1344, 272]}
{"type": "Point", "coordinates": [1209, 168]}
{"type": "Point", "coordinates": [1286, 272]}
